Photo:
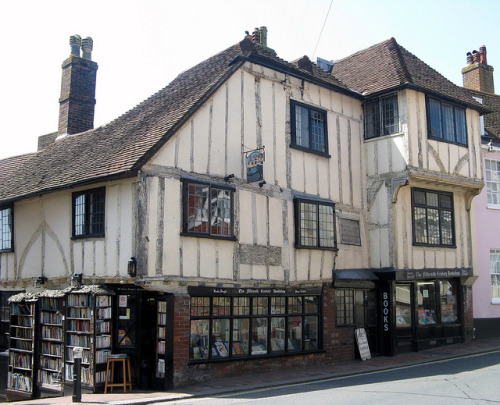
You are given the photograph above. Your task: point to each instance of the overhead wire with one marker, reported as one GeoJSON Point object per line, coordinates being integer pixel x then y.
{"type": "Point", "coordinates": [322, 28]}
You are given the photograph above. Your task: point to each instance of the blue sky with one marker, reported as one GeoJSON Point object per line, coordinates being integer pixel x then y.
{"type": "Point", "coordinates": [142, 45]}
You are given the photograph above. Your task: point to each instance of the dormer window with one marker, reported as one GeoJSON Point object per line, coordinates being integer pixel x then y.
{"type": "Point", "coordinates": [446, 122]}
{"type": "Point", "coordinates": [381, 117]}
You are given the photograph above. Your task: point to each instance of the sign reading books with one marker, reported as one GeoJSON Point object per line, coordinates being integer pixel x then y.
{"type": "Point", "coordinates": [364, 348]}
{"type": "Point", "coordinates": [254, 160]}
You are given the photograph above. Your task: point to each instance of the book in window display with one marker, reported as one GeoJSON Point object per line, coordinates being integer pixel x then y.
{"type": "Point", "coordinates": [161, 338]}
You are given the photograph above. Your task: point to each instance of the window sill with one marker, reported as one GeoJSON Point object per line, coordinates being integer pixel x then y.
{"type": "Point", "coordinates": [87, 237]}
{"type": "Point", "coordinates": [332, 249]}
{"type": "Point", "coordinates": [421, 245]}
{"type": "Point", "coordinates": [430, 138]}
{"type": "Point", "coordinates": [205, 236]}
{"type": "Point", "coordinates": [495, 301]}
{"type": "Point", "coordinates": [193, 362]}
{"type": "Point", "coordinates": [493, 207]}
{"type": "Point", "coordinates": [312, 151]}
{"type": "Point", "coordinates": [376, 138]}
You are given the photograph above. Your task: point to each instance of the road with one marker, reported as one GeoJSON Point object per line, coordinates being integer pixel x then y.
{"type": "Point", "coordinates": [467, 380]}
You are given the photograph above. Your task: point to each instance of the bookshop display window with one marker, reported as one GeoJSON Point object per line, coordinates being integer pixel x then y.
{"type": "Point", "coordinates": [448, 291]}
{"type": "Point", "coordinates": [426, 303]}
{"type": "Point", "coordinates": [246, 326]}
{"type": "Point", "coordinates": [403, 306]}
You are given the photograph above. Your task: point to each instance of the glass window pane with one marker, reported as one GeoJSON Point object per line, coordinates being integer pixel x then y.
{"type": "Point", "coordinates": [294, 333]}
{"type": "Point", "coordinates": [420, 223]}
{"type": "Point", "coordinates": [79, 219]}
{"type": "Point", "coordinates": [311, 332]}
{"type": "Point", "coordinates": [199, 339]}
{"type": "Point", "coordinates": [301, 126]}
{"type": "Point", "coordinates": [241, 306]}
{"type": "Point", "coordinates": [403, 306]}
{"type": "Point", "coordinates": [294, 305]}
{"type": "Point", "coordinates": [495, 272]}
{"type": "Point", "coordinates": [426, 303]}
{"type": "Point", "coordinates": [260, 305]}
{"type": "Point", "coordinates": [308, 224]}
{"type": "Point", "coordinates": [6, 229]}
{"type": "Point", "coordinates": [326, 226]}
{"type": "Point", "coordinates": [278, 305]}
{"type": "Point", "coordinates": [446, 228]}
{"type": "Point", "coordinates": [221, 306]}
{"type": "Point", "coordinates": [220, 219]}
{"type": "Point", "coordinates": [311, 304]}
{"type": "Point", "coordinates": [200, 306]}
{"type": "Point", "coordinates": [435, 123]}
{"type": "Point", "coordinates": [448, 290]}
{"type": "Point", "coordinates": [197, 208]}
{"type": "Point", "coordinates": [259, 336]}
{"type": "Point", "coordinates": [241, 336]}
{"type": "Point", "coordinates": [278, 334]}
{"type": "Point", "coordinates": [448, 122]}
{"type": "Point", "coordinates": [318, 131]}
{"type": "Point", "coordinates": [433, 226]}
{"type": "Point", "coordinates": [372, 119]}
{"type": "Point", "coordinates": [460, 125]}
{"type": "Point", "coordinates": [220, 337]}
{"type": "Point", "coordinates": [390, 120]}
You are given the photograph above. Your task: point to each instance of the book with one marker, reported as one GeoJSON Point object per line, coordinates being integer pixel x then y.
{"type": "Point", "coordinates": [238, 348]}
{"type": "Point", "coordinates": [221, 349]}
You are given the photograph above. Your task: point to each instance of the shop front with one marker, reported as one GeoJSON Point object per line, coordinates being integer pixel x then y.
{"type": "Point", "coordinates": [422, 309]}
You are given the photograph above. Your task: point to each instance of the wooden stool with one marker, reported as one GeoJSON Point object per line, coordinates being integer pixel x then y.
{"type": "Point", "coordinates": [127, 379]}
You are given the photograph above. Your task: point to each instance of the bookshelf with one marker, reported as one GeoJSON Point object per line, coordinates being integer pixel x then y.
{"type": "Point", "coordinates": [21, 376]}
{"type": "Point", "coordinates": [88, 325]}
{"type": "Point", "coordinates": [51, 344]}
{"type": "Point", "coordinates": [161, 339]}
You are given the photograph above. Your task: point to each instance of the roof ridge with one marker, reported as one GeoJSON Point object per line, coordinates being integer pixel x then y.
{"type": "Point", "coordinates": [399, 59]}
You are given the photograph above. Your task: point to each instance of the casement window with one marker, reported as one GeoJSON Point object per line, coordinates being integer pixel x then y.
{"type": "Point", "coordinates": [208, 209]}
{"type": "Point", "coordinates": [315, 224]}
{"type": "Point", "coordinates": [309, 131]}
{"type": "Point", "coordinates": [381, 116]}
{"type": "Point", "coordinates": [88, 213]}
{"type": "Point", "coordinates": [495, 275]}
{"type": "Point", "coordinates": [493, 182]}
{"type": "Point", "coordinates": [235, 327]}
{"type": "Point", "coordinates": [446, 122]}
{"type": "Point", "coordinates": [6, 229]}
{"type": "Point", "coordinates": [344, 305]}
{"type": "Point", "coordinates": [433, 220]}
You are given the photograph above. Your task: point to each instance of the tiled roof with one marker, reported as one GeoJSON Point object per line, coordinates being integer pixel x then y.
{"type": "Point", "coordinates": [491, 120]}
{"type": "Point", "coordinates": [122, 146]}
{"type": "Point", "coordinates": [388, 66]}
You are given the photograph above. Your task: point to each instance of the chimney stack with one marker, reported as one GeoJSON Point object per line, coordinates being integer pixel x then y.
{"type": "Point", "coordinates": [77, 101]}
{"type": "Point", "coordinates": [259, 36]}
{"type": "Point", "coordinates": [478, 75]}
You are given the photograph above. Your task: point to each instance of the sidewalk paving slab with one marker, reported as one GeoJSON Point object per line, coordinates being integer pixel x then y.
{"type": "Point", "coordinates": [284, 377]}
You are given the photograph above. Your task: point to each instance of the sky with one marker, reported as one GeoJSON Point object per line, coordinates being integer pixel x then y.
{"type": "Point", "coordinates": [142, 45]}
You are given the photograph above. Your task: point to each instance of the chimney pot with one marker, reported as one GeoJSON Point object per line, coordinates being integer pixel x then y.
{"type": "Point", "coordinates": [470, 59]}
{"type": "Point", "coordinates": [75, 42]}
{"type": "Point", "coordinates": [477, 57]}
{"type": "Point", "coordinates": [256, 36]}
{"type": "Point", "coordinates": [87, 46]}
{"type": "Point", "coordinates": [482, 53]}
{"type": "Point", "coordinates": [263, 36]}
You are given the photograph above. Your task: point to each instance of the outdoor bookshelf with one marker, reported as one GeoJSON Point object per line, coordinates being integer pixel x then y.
{"type": "Point", "coordinates": [51, 344]}
{"type": "Point", "coordinates": [88, 325]}
{"type": "Point", "coordinates": [21, 374]}
{"type": "Point", "coordinates": [161, 339]}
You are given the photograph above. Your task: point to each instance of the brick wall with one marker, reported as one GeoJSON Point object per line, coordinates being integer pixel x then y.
{"type": "Point", "coordinates": [478, 77]}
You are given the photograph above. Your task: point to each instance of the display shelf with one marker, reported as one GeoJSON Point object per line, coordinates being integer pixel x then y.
{"type": "Point", "coordinates": [161, 338]}
{"type": "Point", "coordinates": [88, 325]}
{"type": "Point", "coordinates": [51, 343]}
{"type": "Point", "coordinates": [21, 374]}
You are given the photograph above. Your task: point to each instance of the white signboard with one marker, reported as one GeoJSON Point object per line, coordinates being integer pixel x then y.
{"type": "Point", "coordinates": [364, 348]}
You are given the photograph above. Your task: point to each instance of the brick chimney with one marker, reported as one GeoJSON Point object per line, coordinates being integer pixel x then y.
{"type": "Point", "coordinates": [478, 75]}
{"type": "Point", "coordinates": [77, 101]}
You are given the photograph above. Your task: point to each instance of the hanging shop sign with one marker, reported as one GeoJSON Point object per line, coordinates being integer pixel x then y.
{"type": "Point", "coordinates": [254, 160]}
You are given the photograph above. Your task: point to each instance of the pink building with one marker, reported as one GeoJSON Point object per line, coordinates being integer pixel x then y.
{"type": "Point", "coordinates": [478, 77]}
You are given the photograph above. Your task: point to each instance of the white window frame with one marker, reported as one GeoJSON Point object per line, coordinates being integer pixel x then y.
{"type": "Point", "coordinates": [492, 181]}
{"type": "Point", "coordinates": [495, 271]}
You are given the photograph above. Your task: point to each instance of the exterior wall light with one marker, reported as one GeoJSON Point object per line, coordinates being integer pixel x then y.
{"type": "Point", "coordinates": [38, 281]}
{"type": "Point", "coordinates": [132, 267]}
{"type": "Point", "coordinates": [76, 280]}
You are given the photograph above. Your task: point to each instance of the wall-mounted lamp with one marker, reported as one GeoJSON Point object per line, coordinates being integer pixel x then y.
{"type": "Point", "coordinates": [76, 280]}
{"type": "Point", "coordinates": [228, 178]}
{"type": "Point", "coordinates": [261, 184]}
{"type": "Point", "coordinates": [38, 281]}
{"type": "Point", "coordinates": [132, 267]}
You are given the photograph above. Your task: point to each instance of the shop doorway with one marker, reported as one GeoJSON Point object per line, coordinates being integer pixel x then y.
{"type": "Point", "coordinates": [366, 316]}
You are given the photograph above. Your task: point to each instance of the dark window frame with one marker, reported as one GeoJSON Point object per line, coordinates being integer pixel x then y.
{"type": "Point", "coordinates": [7, 230]}
{"type": "Point", "coordinates": [90, 219]}
{"type": "Point", "coordinates": [440, 209]}
{"type": "Point", "coordinates": [298, 224]}
{"type": "Point", "coordinates": [186, 182]}
{"type": "Point", "coordinates": [379, 126]}
{"type": "Point", "coordinates": [253, 315]}
{"type": "Point", "coordinates": [341, 307]}
{"type": "Point", "coordinates": [442, 122]}
{"type": "Point", "coordinates": [293, 119]}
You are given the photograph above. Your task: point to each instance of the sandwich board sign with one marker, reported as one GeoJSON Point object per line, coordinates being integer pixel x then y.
{"type": "Point", "coordinates": [364, 348]}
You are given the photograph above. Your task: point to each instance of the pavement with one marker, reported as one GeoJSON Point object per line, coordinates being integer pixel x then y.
{"type": "Point", "coordinates": [284, 377]}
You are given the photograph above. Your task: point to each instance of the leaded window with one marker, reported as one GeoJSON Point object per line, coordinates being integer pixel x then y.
{"type": "Point", "coordinates": [88, 213]}
{"type": "Point", "coordinates": [381, 116]}
{"type": "Point", "coordinates": [6, 229]}
{"type": "Point", "coordinates": [344, 305]}
{"type": "Point", "coordinates": [315, 224]}
{"type": "Point", "coordinates": [446, 122]}
{"type": "Point", "coordinates": [433, 221]}
{"type": "Point", "coordinates": [208, 210]}
{"type": "Point", "coordinates": [309, 130]}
